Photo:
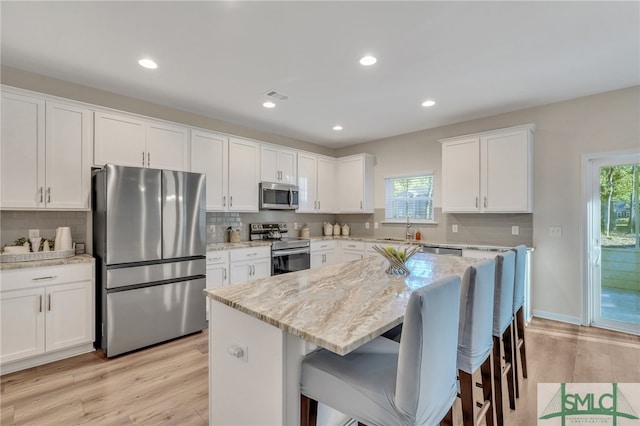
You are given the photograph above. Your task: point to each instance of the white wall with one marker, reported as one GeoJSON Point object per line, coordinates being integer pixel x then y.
{"type": "Point", "coordinates": [565, 131]}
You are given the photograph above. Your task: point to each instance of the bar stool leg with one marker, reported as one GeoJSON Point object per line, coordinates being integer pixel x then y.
{"type": "Point", "coordinates": [507, 338]}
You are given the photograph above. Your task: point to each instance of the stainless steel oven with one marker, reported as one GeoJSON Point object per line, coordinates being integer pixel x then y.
{"type": "Point", "coordinates": [287, 254]}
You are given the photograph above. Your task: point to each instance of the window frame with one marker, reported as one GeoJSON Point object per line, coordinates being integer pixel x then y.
{"type": "Point", "coordinates": [411, 219]}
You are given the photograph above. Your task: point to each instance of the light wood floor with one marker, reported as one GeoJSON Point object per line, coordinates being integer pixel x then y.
{"type": "Point", "coordinates": [167, 384]}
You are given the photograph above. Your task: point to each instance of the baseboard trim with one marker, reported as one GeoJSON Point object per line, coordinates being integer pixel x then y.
{"type": "Point", "coordinates": [557, 317]}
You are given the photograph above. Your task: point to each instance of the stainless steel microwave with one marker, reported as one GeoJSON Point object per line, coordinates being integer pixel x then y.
{"type": "Point", "coordinates": [278, 196]}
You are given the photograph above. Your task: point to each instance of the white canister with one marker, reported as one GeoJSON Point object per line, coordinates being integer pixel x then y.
{"type": "Point", "coordinates": [328, 229]}
{"type": "Point", "coordinates": [63, 238]}
{"type": "Point", "coordinates": [35, 244]}
{"type": "Point", "coordinates": [345, 229]}
{"type": "Point", "coordinates": [336, 229]}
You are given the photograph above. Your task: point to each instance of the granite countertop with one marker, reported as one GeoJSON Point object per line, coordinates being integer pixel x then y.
{"type": "Point", "coordinates": [316, 304]}
{"type": "Point", "coordinates": [383, 240]}
{"type": "Point", "coordinates": [244, 244]}
{"type": "Point", "coordinates": [79, 258]}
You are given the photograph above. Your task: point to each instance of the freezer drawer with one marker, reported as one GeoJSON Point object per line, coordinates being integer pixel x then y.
{"type": "Point", "coordinates": [140, 274]}
{"type": "Point", "coordinates": [145, 316]}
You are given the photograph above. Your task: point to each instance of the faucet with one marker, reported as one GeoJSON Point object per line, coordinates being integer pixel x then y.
{"type": "Point", "coordinates": [409, 233]}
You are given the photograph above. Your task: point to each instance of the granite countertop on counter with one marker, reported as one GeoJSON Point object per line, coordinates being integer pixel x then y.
{"type": "Point", "coordinates": [383, 240]}
{"type": "Point", "coordinates": [79, 258]}
{"type": "Point", "coordinates": [316, 304]}
{"type": "Point", "coordinates": [244, 244]}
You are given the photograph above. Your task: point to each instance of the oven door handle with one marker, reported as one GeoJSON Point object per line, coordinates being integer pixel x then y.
{"type": "Point", "coordinates": [279, 253]}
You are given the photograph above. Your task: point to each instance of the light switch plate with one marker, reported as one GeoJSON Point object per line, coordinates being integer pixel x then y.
{"type": "Point", "coordinates": [375, 225]}
{"type": "Point", "coordinates": [366, 225]}
{"type": "Point", "coordinates": [454, 228]}
{"type": "Point", "coordinates": [515, 230]}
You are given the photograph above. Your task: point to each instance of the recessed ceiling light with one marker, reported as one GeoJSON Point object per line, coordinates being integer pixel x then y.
{"type": "Point", "coordinates": [337, 127]}
{"type": "Point", "coordinates": [428, 103]}
{"type": "Point", "coordinates": [368, 60]}
{"type": "Point", "coordinates": [148, 63]}
{"type": "Point", "coordinates": [269, 104]}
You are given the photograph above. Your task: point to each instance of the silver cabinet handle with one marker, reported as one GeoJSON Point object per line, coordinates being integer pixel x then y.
{"type": "Point", "coordinates": [41, 195]}
{"type": "Point", "coordinates": [148, 159]}
{"type": "Point", "coordinates": [48, 194]}
{"type": "Point", "coordinates": [49, 302]}
{"type": "Point", "coordinates": [142, 158]}
{"type": "Point", "coordinates": [224, 201]}
{"type": "Point", "coordinates": [40, 297]}
{"type": "Point", "coordinates": [476, 202]}
{"type": "Point", "coordinates": [318, 205]}
{"type": "Point", "coordinates": [315, 205]}
{"type": "Point", "coordinates": [49, 277]}
{"type": "Point", "coordinates": [360, 205]}
{"type": "Point", "coordinates": [485, 202]}
{"type": "Point", "coordinates": [230, 200]}
{"type": "Point", "coordinates": [224, 273]}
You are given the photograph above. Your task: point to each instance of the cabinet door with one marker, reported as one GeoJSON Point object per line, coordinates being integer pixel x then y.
{"type": "Point", "coordinates": [307, 183]}
{"type": "Point", "coordinates": [351, 185]}
{"type": "Point", "coordinates": [68, 156]}
{"type": "Point", "coordinates": [167, 147]}
{"type": "Point", "coordinates": [216, 277]}
{"type": "Point", "coordinates": [22, 324]}
{"type": "Point", "coordinates": [240, 272]}
{"type": "Point", "coordinates": [326, 185]}
{"type": "Point", "coordinates": [349, 255]}
{"type": "Point", "coordinates": [119, 140]}
{"type": "Point", "coordinates": [210, 155]}
{"type": "Point", "coordinates": [287, 166]}
{"type": "Point", "coordinates": [269, 171]}
{"type": "Point", "coordinates": [506, 180]}
{"type": "Point", "coordinates": [69, 315]}
{"type": "Point", "coordinates": [261, 268]}
{"type": "Point", "coordinates": [244, 167]}
{"type": "Point", "coordinates": [461, 176]}
{"type": "Point", "coordinates": [317, 259]}
{"type": "Point", "coordinates": [22, 171]}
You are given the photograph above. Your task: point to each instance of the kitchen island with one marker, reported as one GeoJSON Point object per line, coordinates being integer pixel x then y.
{"type": "Point", "coordinates": [260, 330]}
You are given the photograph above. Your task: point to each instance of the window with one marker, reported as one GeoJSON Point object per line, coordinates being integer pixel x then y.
{"type": "Point", "coordinates": [409, 196]}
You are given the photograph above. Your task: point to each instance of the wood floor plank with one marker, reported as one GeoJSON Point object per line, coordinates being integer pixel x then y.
{"type": "Point", "coordinates": [168, 384]}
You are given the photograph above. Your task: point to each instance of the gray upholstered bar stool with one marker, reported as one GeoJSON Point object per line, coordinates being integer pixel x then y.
{"type": "Point", "coordinates": [503, 332]}
{"type": "Point", "coordinates": [475, 342]}
{"type": "Point", "coordinates": [518, 315]}
{"type": "Point", "coordinates": [389, 383]}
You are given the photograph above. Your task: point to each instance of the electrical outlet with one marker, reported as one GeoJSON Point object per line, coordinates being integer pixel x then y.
{"type": "Point", "coordinates": [515, 230]}
{"type": "Point", "coordinates": [295, 225]}
{"type": "Point", "coordinates": [375, 225]}
{"type": "Point", "coordinates": [211, 228]}
{"type": "Point", "coordinates": [366, 225]}
{"type": "Point", "coordinates": [454, 228]}
{"type": "Point", "coordinates": [555, 231]}
{"type": "Point", "coordinates": [34, 233]}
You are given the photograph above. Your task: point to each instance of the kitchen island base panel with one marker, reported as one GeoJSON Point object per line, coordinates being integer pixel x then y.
{"type": "Point", "coordinates": [265, 377]}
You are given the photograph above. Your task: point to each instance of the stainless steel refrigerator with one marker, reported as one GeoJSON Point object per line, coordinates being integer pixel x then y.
{"type": "Point", "coordinates": [149, 241]}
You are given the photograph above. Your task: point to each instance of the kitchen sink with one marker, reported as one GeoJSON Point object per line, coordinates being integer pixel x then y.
{"type": "Point", "coordinates": [442, 250]}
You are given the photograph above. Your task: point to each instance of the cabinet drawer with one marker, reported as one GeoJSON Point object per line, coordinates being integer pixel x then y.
{"type": "Point", "coordinates": [352, 245]}
{"type": "Point", "coordinates": [323, 245]}
{"type": "Point", "coordinates": [50, 275]}
{"type": "Point", "coordinates": [250, 253]}
{"type": "Point", "coordinates": [217, 256]}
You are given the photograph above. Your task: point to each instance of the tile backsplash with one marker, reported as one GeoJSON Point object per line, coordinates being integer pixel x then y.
{"type": "Point", "coordinates": [16, 224]}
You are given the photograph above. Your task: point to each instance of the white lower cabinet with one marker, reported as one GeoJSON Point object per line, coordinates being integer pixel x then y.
{"type": "Point", "coordinates": [323, 252]}
{"type": "Point", "coordinates": [249, 264]}
{"type": "Point", "coordinates": [46, 314]}
{"type": "Point", "coordinates": [352, 250]}
{"type": "Point", "coordinates": [217, 270]}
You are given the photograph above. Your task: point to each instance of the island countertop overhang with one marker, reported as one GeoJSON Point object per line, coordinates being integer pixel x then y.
{"type": "Point", "coordinates": [338, 307]}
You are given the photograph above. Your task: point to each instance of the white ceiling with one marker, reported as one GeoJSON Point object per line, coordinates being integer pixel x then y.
{"type": "Point", "coordinates": [218, 59]}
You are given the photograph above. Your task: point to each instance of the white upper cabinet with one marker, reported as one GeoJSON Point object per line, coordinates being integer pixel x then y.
{"type": "Point", "coordinates": [130, 141]}
{"type": "Point", "coordinates": [327, 190]}
{"type": "Point", "coordinates": [45, 154]}
{"type": "Point", "coordinates": [244, 175]}
{"type": "Point", "coordinates": [355, 184]}
{"type": "Point", "coordinates": [316, 177]}
{"type": "Point", "coordinates": [488, 172]}
{"type": "Point", "coordinates": [210, 155]}
{"type": "Point", "coordinates": [277, 165]}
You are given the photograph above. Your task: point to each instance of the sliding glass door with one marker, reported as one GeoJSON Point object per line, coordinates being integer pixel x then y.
{"type": "Point", "coordinates": [613, 252]}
